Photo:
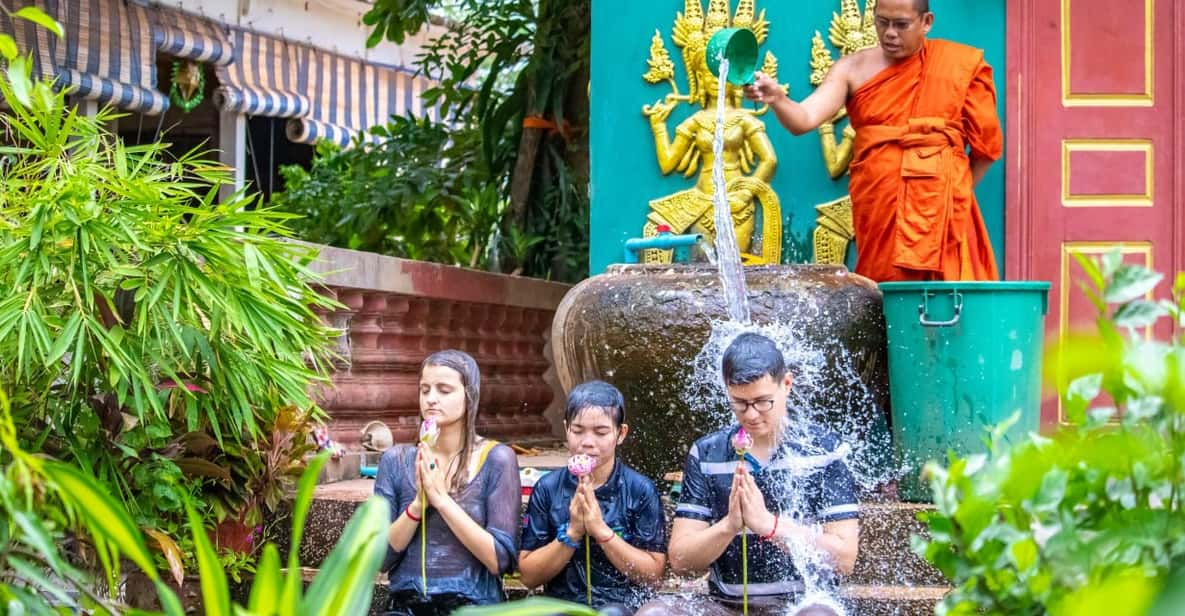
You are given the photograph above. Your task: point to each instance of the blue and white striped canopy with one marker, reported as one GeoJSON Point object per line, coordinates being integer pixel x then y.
{"type": "Point", "coordinates": [188, 36]}
{"type": "Point", "coordinates": [350, 96]}
{"type": "Point", "coordinates": [267, 78]}
{"type": "Point", "coordinates": [108, 54]}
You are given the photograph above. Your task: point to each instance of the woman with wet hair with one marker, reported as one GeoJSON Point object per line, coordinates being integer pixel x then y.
{"type": "Point", "coordinates": [471, 488]}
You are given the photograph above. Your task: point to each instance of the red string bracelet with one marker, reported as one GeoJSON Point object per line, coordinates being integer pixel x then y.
{"type": "Point", "coordinates": [410, 514]}
{"type": "Point", "coordinates": [607, 539]}
{"type": "Point", "coordinates": [772, 532]}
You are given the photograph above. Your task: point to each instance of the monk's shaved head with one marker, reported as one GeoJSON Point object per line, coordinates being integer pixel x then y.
{"type": "Point", "coordinates": [921, 6]}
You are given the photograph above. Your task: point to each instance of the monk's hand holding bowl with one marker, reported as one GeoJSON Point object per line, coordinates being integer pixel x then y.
{"type": "Point", "coordinates": [764, 89]}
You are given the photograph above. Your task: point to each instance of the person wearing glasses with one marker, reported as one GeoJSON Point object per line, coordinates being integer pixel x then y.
{"type": "Point", "coordinates": [924, 112]}
{"type": "Point", "coordinates": [791, 494]}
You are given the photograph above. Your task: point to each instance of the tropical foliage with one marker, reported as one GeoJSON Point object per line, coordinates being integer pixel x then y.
{"type": "Point", "coordinates": [162, 341]}
{"type": "Point", "coordinates": [513, 96]}
{"type": "Point", "coordinates": [1091, 519]}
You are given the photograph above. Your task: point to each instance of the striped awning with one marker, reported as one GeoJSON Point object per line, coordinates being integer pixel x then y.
{"type": "Point", "coordinates": [188, 36]}
{"type": "Point", "coordinates": [265, 79]}
{"type": "Point", "coordinates": [109, 54]}
{"type": "Point", "coordinates": [350, 96]}
{"type": "Point", "coordinates": [33, 39]}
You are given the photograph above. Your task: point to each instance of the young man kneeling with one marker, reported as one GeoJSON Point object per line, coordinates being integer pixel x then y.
{"type": "Point", "coordinates": [793, 493]}
{"type": "Point", "coordinates": [616, 508]}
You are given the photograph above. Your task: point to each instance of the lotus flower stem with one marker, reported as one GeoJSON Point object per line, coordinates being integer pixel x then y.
{"type": "Point", "coordinates": [429, 432]}
{"type": "Point", "coordinates": [581, 465]}
{"type": "Point", "coordinates": [587, 571]}
{"type": "Point", "coordinates": [742, 442]}
{"type": "Point", "coordinates": [424, 546]}
{"type": "Point", "coordinates": [744, 573]}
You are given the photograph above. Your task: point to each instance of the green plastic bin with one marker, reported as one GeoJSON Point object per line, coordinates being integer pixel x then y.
{"type": "Point", "coordinates": [963, 357]}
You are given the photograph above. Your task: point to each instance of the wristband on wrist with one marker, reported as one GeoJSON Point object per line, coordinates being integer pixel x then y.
{"type": "Point", "coordinates": [411, 515]}
{"type": "Point", "coordinates": [561, 535]}
{"type": "Point", "coordinates": [607, 539]}
{"type": "Point", "coordinates": [772, 532]}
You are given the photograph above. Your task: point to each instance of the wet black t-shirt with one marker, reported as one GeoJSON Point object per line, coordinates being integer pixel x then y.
{"type": "Point", "coordinates": [806, 479]}
{"type": "Point", "coordinates": [630, 505]}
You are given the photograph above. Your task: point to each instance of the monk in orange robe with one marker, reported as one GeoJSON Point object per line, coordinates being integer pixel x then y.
{"type": "Point", "coordinates": [924, 112]}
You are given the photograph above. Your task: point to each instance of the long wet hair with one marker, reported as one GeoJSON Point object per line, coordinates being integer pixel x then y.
{"type": "Point", "coordinates": [463, 364]}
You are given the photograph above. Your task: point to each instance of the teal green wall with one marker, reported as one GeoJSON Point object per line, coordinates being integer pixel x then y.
{"type": "Point", "coordinates": [625, 174]}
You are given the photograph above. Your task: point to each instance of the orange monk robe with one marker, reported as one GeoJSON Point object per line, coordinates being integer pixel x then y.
{"type": "Point", "coordinates": [913, 198]}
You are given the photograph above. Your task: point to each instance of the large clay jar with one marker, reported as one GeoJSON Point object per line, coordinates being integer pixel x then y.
{"type": "Point", "coordinates": [641, 326]}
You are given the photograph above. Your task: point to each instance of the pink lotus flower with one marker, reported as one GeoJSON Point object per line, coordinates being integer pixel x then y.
{"type": "Point", "coordinates": [429, 432]}
{"type": "Point", "coordinates": [581, 464]}
{"type": "Point", "coordinates": [742, 442]}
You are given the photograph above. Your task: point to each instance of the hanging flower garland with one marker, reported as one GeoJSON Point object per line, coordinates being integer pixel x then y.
{"type": "Point", "coordinates": [189, 85]}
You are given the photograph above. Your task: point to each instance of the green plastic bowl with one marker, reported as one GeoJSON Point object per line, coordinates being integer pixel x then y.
{"type": "Point", "coordinates": [739, 45]}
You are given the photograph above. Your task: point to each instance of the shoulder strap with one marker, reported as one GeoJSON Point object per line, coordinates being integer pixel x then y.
{"type": "Point", "coordinates": [486, 448]}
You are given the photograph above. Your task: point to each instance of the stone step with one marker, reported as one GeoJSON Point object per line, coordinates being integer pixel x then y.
{"type": "Point", "coordinates": [886, 556]}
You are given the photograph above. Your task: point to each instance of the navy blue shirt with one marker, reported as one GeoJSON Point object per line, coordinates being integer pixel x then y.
{"type": "Point", "coordinates": [805, 479]}
{"type": "Point", "coordinates": [630, 505]}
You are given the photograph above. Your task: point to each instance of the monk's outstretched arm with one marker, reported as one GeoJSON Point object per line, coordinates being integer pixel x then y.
{"type": "Point", "coordinates": [814, 110]}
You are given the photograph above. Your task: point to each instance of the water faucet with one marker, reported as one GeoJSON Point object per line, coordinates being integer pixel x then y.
{"type": "Point", "coordinates": [665, 240]}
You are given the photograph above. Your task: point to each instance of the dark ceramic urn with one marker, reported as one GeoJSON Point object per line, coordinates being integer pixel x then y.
{"type": "Point", "coordinates": [643, 327]}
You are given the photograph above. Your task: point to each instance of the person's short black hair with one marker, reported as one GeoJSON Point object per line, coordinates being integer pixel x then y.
{"type": "Point", "coordinates": [596, 393]}
{"type": "Point", "coordinates": [922, 6]}
{"type": "Point", "coordinates": [750, 357]}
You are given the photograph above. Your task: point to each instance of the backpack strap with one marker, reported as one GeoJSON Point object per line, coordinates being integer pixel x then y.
{"type": "Point", "coordinates": [486, 448]}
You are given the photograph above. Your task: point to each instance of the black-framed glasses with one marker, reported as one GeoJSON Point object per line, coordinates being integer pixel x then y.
{"type": "Point", "coordinates": [898, 25]}
{"type": "Point", "coordinates": [761, 406]}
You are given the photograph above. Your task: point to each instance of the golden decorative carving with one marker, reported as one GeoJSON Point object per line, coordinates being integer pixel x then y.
{"type": "Point", "coordinates": [749, 158]}
{"type": "Point", "coordinates": [850, 31]}
{"type": "Point", "coordinates": [834, 230]}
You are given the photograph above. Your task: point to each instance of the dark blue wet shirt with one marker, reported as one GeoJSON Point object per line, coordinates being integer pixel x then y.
{"type": "Point", "coordinates": [492, 498]}
{"type": "Point", "coordinates": [806, 479]}
{"type": "Point", "coordinates": [630, 505]}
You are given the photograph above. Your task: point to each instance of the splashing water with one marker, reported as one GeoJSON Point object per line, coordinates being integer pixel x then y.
{"type": "Point", "coordinates": [728, 254]}
{"type": "Point", "coordinates": [810, 403]}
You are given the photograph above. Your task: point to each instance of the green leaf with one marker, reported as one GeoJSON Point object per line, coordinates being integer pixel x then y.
{"type": "Point", "coordinates": [215, 592]}
{"type": "Point", "coordinates": [37, 537]}
{"type": "Point", "coordinates": [1138, 313]}
{"type": "Point", "coordinates": [1125, 593]}
{"type": "Point", "coordinates": [104, 517]}
{"type": "Point", "coordinates": [1112, 260]}
{"type": "Point", "coordinates": [265, 591]}
{"type": "Point", "coordinates": [168, 600]}
{"type": "Point", "coordinates": [345, 581]}
{"type": "Point", "coordinates": [36, 575]}
{"type": "Point", "coordinates": [1091, 268]}
{"type": "Point", "coordinates": [65, 340]}
{"type": "Point", "coordinates": [37, 16]}
{"type": "Point", "coordinates": [18, 80]}
{"type": "Point", "coordinates": [290, 596]}
{"type": "Point", "coordinates": [8, 47]}
{"type": "Point", "coordinates": [1053, 490]}
{"type": "Point", "coordinates": [1131, 282]}
{"type": "Point", "coordinates": [535, 606]}
{"type": "Point", "coordinates": [1081, 392]}
{"type": "Point", "coordinates": [1171, 601]}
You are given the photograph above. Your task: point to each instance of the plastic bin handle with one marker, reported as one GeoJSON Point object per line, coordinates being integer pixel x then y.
{"type": "Point", "coordinates": [923, 309]}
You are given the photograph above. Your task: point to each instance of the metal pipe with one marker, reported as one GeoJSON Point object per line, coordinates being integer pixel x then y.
{"type": "Point", "coordinates": [663, 241]}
